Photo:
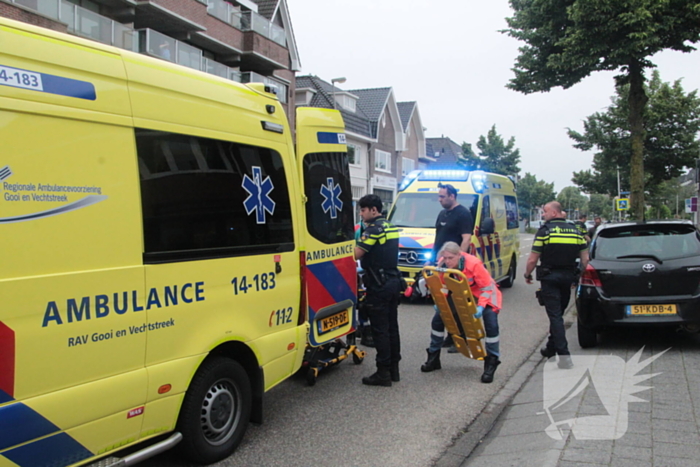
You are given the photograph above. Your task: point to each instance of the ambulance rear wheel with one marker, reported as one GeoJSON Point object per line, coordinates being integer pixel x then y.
{"type": "Point", "coordinates": [216, 411]}
{"type": "Point", "coordinates": [512, 271]}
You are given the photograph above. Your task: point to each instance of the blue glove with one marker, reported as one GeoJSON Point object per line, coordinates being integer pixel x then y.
{"type": "Point", "coordinates": [479, 312]}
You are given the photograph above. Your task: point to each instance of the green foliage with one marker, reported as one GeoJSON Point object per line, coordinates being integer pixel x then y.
{"type": "Point", "coordinates": [658, 212]}
{"type": "Point", "coordinates": [600, 205]}
{"type": "Point", "coordinates": [533, 193]}
{"type": "Point", "coordinates": [671, 123]}
{"type": "Point", "coordinates": [469, 160]}
{"type": "Point", "coordinates": [572, 200]}
{"type": "Point", "coordinates": [494, 154]}
{"type": "Point", "coordinates": [567, 40]}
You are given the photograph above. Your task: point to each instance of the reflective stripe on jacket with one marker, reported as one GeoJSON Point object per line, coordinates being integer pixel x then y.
{"type": "Point", "coordinates": [482, 285]}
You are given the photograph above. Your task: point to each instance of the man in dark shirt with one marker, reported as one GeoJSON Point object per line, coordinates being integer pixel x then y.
{"type": "Point", "coordinates": [454, 223]}
{"type": "Point", "coordinates": [378, 252]}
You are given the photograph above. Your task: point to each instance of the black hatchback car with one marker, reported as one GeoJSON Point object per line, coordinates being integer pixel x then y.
{"type": "Point", "coordinates": [640, 273]}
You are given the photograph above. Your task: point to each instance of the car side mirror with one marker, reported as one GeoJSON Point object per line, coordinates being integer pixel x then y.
{"type": "Point", "coordinates": [487, 227]}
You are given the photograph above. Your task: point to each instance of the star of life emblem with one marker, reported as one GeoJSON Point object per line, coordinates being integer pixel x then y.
{"type": "Point", "coordinates": [606, 380]}
{"type": "Point", "coordinates": [258, 199]}
{"type": "Point", "coordinates": [331, 198]}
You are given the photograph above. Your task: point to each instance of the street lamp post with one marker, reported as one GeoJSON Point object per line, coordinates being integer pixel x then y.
{"type": "Point", "coordinates": [340, 80]}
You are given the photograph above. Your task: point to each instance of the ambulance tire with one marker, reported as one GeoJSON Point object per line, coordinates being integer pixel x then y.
{"type": "Point", "coordinates": [512, 271]}
{"type": "Point", "coordinates": [216, 410]}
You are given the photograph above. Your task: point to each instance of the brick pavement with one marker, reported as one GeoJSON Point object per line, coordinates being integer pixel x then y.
{"type": "Point", "coordinates": [661, 431]}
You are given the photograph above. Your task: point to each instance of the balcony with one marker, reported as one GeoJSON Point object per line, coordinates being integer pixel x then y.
{"type": "Point", "coordinates": [165, 47]}
{"type": "Point", "coordinates": [252, 77]}
{"type": "Point", "coordinates": [225, 12]}
{"type": "Point", "coordinates": [83, 22]}
{"type": "Point", "coordinates": [251, 21]}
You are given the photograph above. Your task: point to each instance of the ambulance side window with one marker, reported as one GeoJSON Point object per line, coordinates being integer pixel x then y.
{"type": "Point", "coordinates": [329, 211]}
{"type": "Point", "coordinates": [204, 198]}
{"type": "Point", "coordinates": [485, 208]}
{"type": "Point", "coordinates": [512, 212]}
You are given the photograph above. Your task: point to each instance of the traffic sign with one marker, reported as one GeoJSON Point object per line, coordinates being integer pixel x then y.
{"type": "Point", "coordinates": [623, 204]}
{"type": "Point", "coordinates": [691, 205]}
{"type": "Point", "coordinates": [624, 192]}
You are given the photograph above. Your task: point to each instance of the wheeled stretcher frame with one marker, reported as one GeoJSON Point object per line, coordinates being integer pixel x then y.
{"type": "Point", "coordinates": [468, 334]}
{"type": "Point", "coordinates": [334, 351]}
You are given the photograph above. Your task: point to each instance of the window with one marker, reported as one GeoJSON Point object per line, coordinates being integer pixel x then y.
{"type": "Point", "coordinates": [387, 197]}
{"type": "Point", "coordinates": [382, 160]}
{"type": "Point", "coordinates": [354, 155]}
{"type": "Point", "coordinates": [511, 212]}
{"type": "Point", "coordinates": [200, 198]}
{"type": "Point", "coordinates": [420, 210]}
{"type": "Point", "coordinates": [329, 213]}
{"type": "Point", "coordinates": [407, 165]}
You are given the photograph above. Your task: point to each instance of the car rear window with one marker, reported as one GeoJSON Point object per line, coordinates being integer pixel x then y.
{"type": "Point", "coordinates": [661, 241]}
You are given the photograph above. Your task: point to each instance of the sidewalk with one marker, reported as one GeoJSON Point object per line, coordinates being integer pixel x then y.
{"type": "Point", "coordinates": [657, 429]}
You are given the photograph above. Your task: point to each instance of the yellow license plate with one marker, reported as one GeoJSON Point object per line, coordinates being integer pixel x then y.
{"type": "Point", "coordinates": [651, 309]}
{"type": "Point", "coordinates": [334, 321]}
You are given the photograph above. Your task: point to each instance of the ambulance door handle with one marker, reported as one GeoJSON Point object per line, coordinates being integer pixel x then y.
{"type": "Point", "coordinates": [278, 268]}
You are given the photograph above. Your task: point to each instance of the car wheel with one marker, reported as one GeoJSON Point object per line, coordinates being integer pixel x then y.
{"type": "Point", "coordinates": [512, 271]}
{"type": "Point", "coordinates": [216, 411]}
{"type": "Point", "coordinates": [587, 336]}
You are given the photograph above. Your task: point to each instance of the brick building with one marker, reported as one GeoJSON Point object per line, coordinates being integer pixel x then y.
{"type": "Point", "coordinates": [240, 40]}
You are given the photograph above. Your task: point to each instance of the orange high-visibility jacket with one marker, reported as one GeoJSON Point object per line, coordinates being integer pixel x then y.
{"type": "Point", "coordinates": [482, 285]}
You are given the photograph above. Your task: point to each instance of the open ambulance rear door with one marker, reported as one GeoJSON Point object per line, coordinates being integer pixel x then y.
{"type": "Point", "coordinates": [331, 276]}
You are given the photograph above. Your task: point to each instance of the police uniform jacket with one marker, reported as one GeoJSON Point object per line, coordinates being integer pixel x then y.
{"type": "Point", "coordinates": [559, 243]}
{"type": "Point", "coordinates": [380, 241]}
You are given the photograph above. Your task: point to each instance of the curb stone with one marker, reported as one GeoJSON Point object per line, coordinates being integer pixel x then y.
{"type": "Point", "coordinates": [456, 455]}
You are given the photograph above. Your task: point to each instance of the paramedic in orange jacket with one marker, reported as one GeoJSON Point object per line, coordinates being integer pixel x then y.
{"type": "Point", "coordinates": [488, 298]}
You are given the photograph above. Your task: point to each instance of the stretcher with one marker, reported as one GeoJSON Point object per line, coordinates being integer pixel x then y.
{"type": "Point", "coordinates": [457, 309]}
{"type": "Point", "coordinates": [320, 355]}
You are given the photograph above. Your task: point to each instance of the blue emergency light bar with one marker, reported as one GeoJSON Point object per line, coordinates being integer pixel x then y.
{"type": "Point", "coordinates": [478, 178]}
{"type": "Point", "coordinates": [445, 175]}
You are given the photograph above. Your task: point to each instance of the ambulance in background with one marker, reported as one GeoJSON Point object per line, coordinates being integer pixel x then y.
{"type": "Point", "coordinates": [165, 251]}
{"type": "Point", "coordinates": [490, 198]}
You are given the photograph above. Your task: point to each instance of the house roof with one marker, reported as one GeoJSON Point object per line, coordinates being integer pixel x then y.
{"type": "Point", "coordinates": [356, 122]}
{"type": "Point", "coordinates": [372, 101]}
{"type": "Point", "coordinates": [406, 112]}
{"type": "Point", "coordinates": [443, 149]}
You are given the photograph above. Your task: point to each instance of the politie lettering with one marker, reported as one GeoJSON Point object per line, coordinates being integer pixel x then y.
{"type": "Point", "coordinates": [100, 306]}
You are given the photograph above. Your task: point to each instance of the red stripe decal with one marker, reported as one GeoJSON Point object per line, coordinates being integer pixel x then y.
{"type": "Point", "coordinates": [348, 269]}
{"type": "Point", "coordinates": [7, 359]}
{"type": "Point", "coordinates": [318, 295]}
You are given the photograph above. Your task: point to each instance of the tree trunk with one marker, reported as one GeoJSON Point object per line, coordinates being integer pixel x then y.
{"type": "Point", "coordinates": [637, 102]}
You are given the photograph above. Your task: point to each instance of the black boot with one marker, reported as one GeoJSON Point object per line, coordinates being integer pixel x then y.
{"type": "Point", "coordinates": [381, 378]}
{"type": "Point", "coordinates": [433, 362]}
{"type": "Point", "coordinates": [490, 364]}
{"type": "Point", "coordinates": [367, 337]}
{"type": "Point", "coordinates": [395, 377]}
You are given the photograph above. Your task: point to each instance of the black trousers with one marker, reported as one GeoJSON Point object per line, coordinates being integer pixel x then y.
{"type": "Point", "coordinates": [556, 292]}
{"type": "Point", "coordinates": [382, 304]}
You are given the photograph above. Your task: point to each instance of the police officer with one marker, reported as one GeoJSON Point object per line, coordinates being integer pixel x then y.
{"type": "Point", "coordinates": [557, 245]}
{"type": "Point", "coordinates": [378, 252]}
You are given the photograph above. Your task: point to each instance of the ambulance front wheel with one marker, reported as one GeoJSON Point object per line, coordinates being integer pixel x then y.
{"type": "Point", "coordinates": [215, 412]}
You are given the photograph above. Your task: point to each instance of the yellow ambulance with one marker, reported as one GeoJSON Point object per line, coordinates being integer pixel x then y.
{"type": "Point", "coordinates": [490, 198]}
{"type": "Point", "coordinates": [160, 239]}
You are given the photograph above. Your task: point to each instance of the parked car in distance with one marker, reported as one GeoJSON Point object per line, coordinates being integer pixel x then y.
{"type": "Point", "coordinates": [641, 273]}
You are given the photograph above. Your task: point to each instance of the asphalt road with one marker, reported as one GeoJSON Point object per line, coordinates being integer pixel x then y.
{"type": "Point", "coordinates": [340, 422]}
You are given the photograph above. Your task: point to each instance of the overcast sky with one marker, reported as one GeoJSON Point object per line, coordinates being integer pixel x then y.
{"type": "Point", "coordinates": [448, 56]}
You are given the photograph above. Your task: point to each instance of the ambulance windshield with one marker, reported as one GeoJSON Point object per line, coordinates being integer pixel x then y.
{"type": "Point", "coordinates": [420, 210]}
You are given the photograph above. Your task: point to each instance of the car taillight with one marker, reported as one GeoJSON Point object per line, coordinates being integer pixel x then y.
{"type": "Point", "coordinates": [302, 299]}
{"type": "Point", "coordinates": [590, 277]}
